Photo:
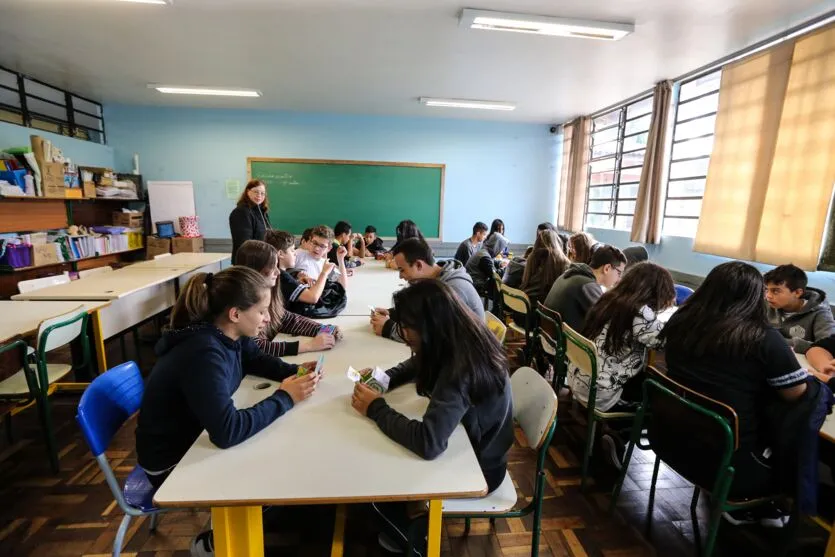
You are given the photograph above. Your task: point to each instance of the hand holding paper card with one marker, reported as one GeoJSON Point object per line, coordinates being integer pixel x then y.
{"type": "Point", "coordinates": [376, 378]}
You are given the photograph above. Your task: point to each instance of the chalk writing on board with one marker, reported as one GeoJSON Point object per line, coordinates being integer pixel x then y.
{"type": "Point", "coordinates": [281, 179]}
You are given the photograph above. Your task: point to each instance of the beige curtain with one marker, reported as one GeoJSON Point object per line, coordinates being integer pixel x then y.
{"type": "Point", "coordinates": [574, 175]}
{"type": "Point", "coordinates": [772, 169]}
{"type": "Point", "coordinates": [649, 207]}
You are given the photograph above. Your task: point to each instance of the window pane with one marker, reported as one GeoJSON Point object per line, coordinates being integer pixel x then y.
{"type": "Point", "coordinates": [699, 107]}
{"type": "Point", "coordinates": [693, 148]}
{"type": "Point", "coordinates": [604, 136]}
{"type": "Point", "coordinates": [623, 223]}
{"type": "Point", "coordinates": [44, 91]}
{"type": "Point", "coordinates": [49, 126]}
{"type": "Point", "coordinates": [626, 207]}
{"type": "Point", "coordinates": [686, 188]}
{"type": "Point", "coordinates": [635, 142]}
{"type": "Point", "coordinates": [702, 126]}
{"type": "Point", "coordinates": [628, 191]}
{"type": "Point", "coordinates": [639, 125]}
{"type": "Point", "coordinates": [639, 108]}
{"type": "Point", "coordinates": [8, 79]}
{"type": "Point", "coordinates": [599, 221]}
{"type": "Point", "coordinates": [601, 193]}
{"type": "Point", "coordinates": [604, 150]}
{"type": "Point", "coordinates": [86, 106]}
{"type": "Point", "coordinates": [636, 158]}
{"type": "Point", "coordinates": [602, 165]}
{"type": "Point", "coordinates": [683, 207]}
{"type": "Point", "coordinates": [9, 116]}
{"type": "Point", "coordinates": [11, 98]}
{"type": "Point", "coordinates": [631, 174]}
{"type": "Point", "coordinates": [606, 120]}
{"type": "Point", "coordinates": [47, 109]}
{"type": "Point", "coordinates": [700, 86]}
{"type": "Point", "coordinates": [89, 135]}
{"type": "Point", "coordinates": [681, 227]}
{"type": "Point", "coordinates": [88, 121]}
{"type": "Point", "coordinates": [689, 169]}
{"type": "Point", "coordinates": [602, 178]}
{"type": "Point", "coordinates": [600, 207]}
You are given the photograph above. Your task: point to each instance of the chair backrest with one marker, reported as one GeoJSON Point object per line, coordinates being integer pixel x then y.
{"type": "Point", "coordinates": [550, 330]}
{"type": "Point", "coordinates": [160, 256]}
{"type": "Point", "coordinates": [96, 271]}
{"type": "Point", "coordinates": [496, 326]}
{"type": "Point", "coordinates": [515, 299]}
{"type": "Point", "coordinates": [534, 405]}
{"type": "Point", "coordinates": [61, 330]}
{"type": "Point", "coordinates": [107, 403]}
{"type": "Point", "coordinates": [675, 414]}
{"type": "Point", "coordinates": [682, 293]}
{"type": "Point", "coordinates": [25, 286]}
{"type": "Point", "coordinates": [581, 352]}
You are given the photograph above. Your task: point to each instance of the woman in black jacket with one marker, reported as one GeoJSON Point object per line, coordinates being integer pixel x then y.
{"type": "Point", "coordinates": [250, 220]}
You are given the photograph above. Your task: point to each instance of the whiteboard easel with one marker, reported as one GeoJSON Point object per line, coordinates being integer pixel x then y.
{"type": "Point", "coordinates": [170, 201]}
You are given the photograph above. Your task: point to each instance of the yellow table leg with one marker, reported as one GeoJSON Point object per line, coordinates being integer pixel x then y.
{"type": "Point", "coordinates": [238, 531]}
{"type": "Point", "coordinates": [338, 544]}
{"type": "Point", "coordinates": [433, 548]}
{"type": "Point", "coordinates": [830, 546]}
{"type": "Point", "coordinates": [98, 338]}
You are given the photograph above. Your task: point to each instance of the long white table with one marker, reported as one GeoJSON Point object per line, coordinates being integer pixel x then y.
{"type": "Point", "coordinates": [321, 452]}
{"type": "Point", "coordinates": [371, 284]}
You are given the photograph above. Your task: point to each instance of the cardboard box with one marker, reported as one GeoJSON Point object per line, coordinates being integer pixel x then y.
{"type": "Point", "coordinates": [156, 246]}
{"type": "Point", "coordinates": [183, 245]}
{"type": "Point", "coordinates": [129, 220]}
{"type": "Point", "coordinates": [89, 189]}
{"type": "Point", "coordinates": [45, 254]}
{"type": "Point", "coordinates": [52, 176]}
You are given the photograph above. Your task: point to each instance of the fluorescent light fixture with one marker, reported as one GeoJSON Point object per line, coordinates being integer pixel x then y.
{"type": "Point", "coordinates": [544, 25]}
{"type": "Point", "coordinates": [212, 91]}
{"type": "Point", "coordinates": [467, 103]}
{"type": "Point", "coordinates": [162, 2]}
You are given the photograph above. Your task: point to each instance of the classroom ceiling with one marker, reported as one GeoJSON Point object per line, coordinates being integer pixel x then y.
{"type": "Point", "coordinates": [375, 56]}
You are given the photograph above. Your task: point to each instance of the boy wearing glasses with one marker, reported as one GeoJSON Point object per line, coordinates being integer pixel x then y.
{"type": "Point", "coordinates": [313, 253]}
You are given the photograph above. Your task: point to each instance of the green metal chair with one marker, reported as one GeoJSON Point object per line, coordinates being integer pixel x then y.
{"type": "Point", "coordinates": [28, 385]}
{"type": "Point", "coordinates": [535, 410]}
{"type": "Point", "coordinates": [551, 343]}
{"type": "Point", "coordinates": [516, 303]}
{"type": "Point", "coordinates": [671, 412]}
{"type": "Point", "coordinates": [582, 357]}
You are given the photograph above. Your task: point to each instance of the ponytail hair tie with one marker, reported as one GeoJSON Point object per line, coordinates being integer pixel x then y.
{"type": "Point", "coordinates": [208, 280]}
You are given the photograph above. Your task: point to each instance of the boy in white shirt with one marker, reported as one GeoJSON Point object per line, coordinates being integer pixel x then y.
{"type": "Point", "coordinates": [312, 254]}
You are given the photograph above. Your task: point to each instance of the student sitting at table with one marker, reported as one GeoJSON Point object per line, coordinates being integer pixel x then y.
{"type": "Point", "coordinates": [343, 237]}
{"type": "Point", "coordinates": [369, 245]}
{"type": "Point", "coordinates": [481, 265]}
{"type": "Point", "coordinates": [801, 314]}
{"type": "Point", "coordinates": [544, 266]}
{"type": "Point", "coordinates": [465, 386]}
{"type": "Point", "coordinates": [312, 254]}
{"type": "Point", "coordinates": [496, 227]}
{"type": "Point", "coordinates": [415, 261]}
{"type": "Point", "coordinates": [515, 270]}
{"type": "Point", "coordinates": [720, 344]}
{"type": "Point", "coordinates": [405, 229]}
{"type": "Point", "coordinates": [580, 247]}
{"type": "Point", "coordinates": [468, 247]}
{"type": "Point", "coordinates": [577, 290]}
{"type": "Point", "coordinates": [263, 257]}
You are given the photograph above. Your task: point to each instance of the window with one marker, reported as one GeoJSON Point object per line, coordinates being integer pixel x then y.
{"type": "Point", "coordinates": [695, 119]}
{"type": "Point", "coordinates": [618, 145]}
{"type": "Point", "coordinates": [27, 102]}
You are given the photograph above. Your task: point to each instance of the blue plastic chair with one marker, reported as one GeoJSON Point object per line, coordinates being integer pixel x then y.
{"type": "Point", "coordinates": [682, 293]}
{"type": "Point", "coordinates": [106, 404]}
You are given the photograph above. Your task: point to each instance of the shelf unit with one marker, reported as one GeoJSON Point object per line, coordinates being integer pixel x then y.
{"type": "Point", "coordinates": [35, 214]}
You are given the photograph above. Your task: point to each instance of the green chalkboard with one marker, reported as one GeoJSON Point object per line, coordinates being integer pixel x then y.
{"type": "Point", "coordinates": [304, 193]}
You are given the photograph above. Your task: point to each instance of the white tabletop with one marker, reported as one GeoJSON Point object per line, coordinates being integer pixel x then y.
{"type": "Point", "coordinates": [183, 261]}
{"type": "Point", "coordinates": [371, 284]}
{"type": "Point", "coordinates": [103, 286]}
{"type": "Point", "coordinates": [323, 451]}
{"type": "Point", "coordinates": [23, 318]}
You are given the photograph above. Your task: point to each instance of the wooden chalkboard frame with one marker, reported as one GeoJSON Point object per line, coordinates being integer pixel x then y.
{"type": "Point", "coordinates": [442, 167]}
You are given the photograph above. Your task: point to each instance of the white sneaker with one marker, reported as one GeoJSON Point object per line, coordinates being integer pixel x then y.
{"type": "Point", "coordinates": [203, 545]}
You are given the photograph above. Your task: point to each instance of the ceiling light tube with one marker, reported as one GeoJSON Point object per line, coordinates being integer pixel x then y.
{"type": "Point", "coordinates": [544, 25]}
{"type": "Point", "coordinates": [467, 103]}
{"type": "Point", "coordinates": [158, 2]}
{"type": "Point", "coordinates": [212, 91]}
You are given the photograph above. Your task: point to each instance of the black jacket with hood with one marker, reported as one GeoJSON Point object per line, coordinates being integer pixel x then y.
{"type": "Point", "coordinates": [190, 389]}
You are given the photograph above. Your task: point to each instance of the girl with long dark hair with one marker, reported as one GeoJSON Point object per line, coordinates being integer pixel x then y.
{"type": "Point", "coordinates": [544, 266]}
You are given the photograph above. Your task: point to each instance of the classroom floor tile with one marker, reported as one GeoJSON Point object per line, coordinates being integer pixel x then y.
{"type": "Point", "coordinates": [72, 514]}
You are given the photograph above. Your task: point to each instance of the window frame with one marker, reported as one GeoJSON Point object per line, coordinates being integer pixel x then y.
{"type": "Point", "coordinates": [615, 200]}
{"type": "Point", "coordinates": [69, 127]}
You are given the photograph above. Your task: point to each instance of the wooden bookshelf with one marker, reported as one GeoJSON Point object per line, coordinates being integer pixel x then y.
{"type": "Point", "coordinates": [31, 267]}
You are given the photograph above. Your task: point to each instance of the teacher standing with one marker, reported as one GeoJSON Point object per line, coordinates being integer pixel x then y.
{"type": "Point", "coordinates": [250, 220]}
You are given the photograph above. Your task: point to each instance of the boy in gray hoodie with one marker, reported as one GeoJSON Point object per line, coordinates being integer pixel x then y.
{"type": "Point", "coordinates": [801, 314]}
{"type": "Point", "coordinates": [415, 261]}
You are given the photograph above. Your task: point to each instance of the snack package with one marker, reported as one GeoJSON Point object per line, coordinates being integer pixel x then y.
{"type": "Point", "coordinates": [376, 378]}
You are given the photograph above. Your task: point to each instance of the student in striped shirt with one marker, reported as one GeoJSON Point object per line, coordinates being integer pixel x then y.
{"type": "Point", "coordinates": [263, 258]}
